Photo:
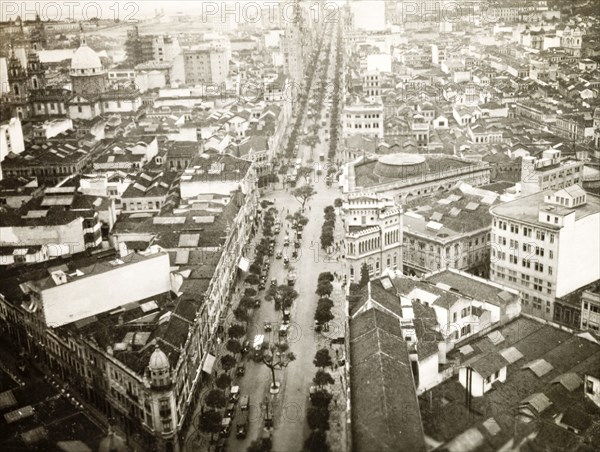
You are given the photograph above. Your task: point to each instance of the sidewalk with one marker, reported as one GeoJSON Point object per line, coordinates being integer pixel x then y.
{"type": "Point", "coordinates": [336, 436]}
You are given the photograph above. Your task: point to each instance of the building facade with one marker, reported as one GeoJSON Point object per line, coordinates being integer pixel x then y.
{"type": "Point", "coordinates": [551, 171]}
{"type": "Point", "coordinates": [206, 64]}
{"type": "Point", "coordinates": [373, 235]}
{"type": "Point", "coordinates": [537, 246]}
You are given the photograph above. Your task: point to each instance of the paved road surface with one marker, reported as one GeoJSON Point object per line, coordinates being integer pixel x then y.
{"type": "Point", "coordinates": [291, 403]}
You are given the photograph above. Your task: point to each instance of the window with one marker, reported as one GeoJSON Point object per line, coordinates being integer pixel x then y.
{"type": "Point", "coordinates": [540, 235]}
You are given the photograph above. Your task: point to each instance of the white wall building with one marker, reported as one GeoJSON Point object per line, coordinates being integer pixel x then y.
{"type": "Point", "coordinates": [546, 245]}
{"type": "Point", "coordinates": [373, 234]}
{"type": "Point", "coordinates": [549, 172]}
{"type": "Point", "coordinates": [11, 138]}
{"type": "Point", "coordinates": [364, 118]}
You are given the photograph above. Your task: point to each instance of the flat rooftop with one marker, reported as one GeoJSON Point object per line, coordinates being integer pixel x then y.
{"type": "Point", "coordinates": [527, 208]}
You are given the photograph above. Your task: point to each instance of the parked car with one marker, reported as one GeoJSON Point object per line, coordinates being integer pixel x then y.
{"type": "Point", "coordinates": [267, 326]}
{"type": "Point", "coordinates": [234, 394]}
{"type": "Point", "coordinates": [225, 427]}
{"type": "Point", "coordinates": [261, 285]}
{"type": "Point", "coordinates": [246, 346]}
{"type": "Point", "coordinates": [279, 254]}
{"type": "Point", "coordinates": [242, 425]}
{"type": "Point", "coordinates": [273, 282]}
{"type": "Point", "coordinates": [257, 302]}
{"type": "Point", "coordinates": [244, 402]}
{"type": "Point", "coordinates": [230, 410]}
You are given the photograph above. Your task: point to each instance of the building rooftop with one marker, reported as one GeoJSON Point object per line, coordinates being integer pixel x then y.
{"type": "Point", "coordinates": [472, 286]}
{"type": "Point", "coordinates": [526, 209]}
{"type": "Point", "coordinates": [196, 224]}
{"type": "Point", "coordinates": [366, 172]}
{"type": "Point", "coordinates": [448, 215]}
{"type": "Point", "coordinates": [54, 152]}
{"type": "Point", "coordinates": [539, 377]}
{"type": "Point", "coordinates": [56, 423]}
{"type": "Point", "coordinates": [151, 185]}
{"type": "Point", "coordinates": [385, 410]}
{"type": "Point", "coordinates": [55, 206]}
{"type": "Point", "coordinates": [216, 167]}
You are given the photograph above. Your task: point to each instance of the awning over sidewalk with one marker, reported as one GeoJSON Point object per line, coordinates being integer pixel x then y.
{"type": "Point", "coordinates": [244, 264]}
{"type": "Point", "coordinates": [209, 362]}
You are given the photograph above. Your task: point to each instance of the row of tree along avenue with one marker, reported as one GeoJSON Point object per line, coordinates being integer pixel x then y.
{"type": "Point", "coordinates": [327, 231]}
{"type": "Point", "coordinates": [317, 415]}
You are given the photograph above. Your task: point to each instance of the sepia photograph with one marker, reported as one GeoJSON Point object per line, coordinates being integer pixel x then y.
{"type": "Point", "coordinates": [300, 226]}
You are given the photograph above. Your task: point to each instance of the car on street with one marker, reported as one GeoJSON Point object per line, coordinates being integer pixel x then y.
{"type": "Point", "coordinates": [242, 425]}
{"type": "Point", "coordinates": [230, 410]}
{"type": "Point", "coordinates": [286, 316]}
{"type": "Point", "coordinates": [245, 346]}
{"type": "Point", "coordinates": [234, 394]}
{"type": "Point", "coordinates": [240, 371]}
{"type": "Point", "coordinates": [225, 427]}
{"type": "Point", "coordinates": [261, 285]}
{"type": "Point", "coordinates": [244, 402]}
{"type": "Point", "coordinates": [257, 302]}
{"type": "Point", "coordinates": [273, 282]}
{"type": "Point", "coordinates": [267, 326]}
{"type": "Point", "coordinates": [279, 254]}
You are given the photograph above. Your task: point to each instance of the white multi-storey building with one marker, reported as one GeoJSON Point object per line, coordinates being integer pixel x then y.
{"type": "Point", "coordinates": [365, 118]}
{"type": "Point", "coordinates": [546, 245]}
{"type": "Point", "coordinates": [549, 172]}
{"type": "Point", "coordinates": [373, 234]}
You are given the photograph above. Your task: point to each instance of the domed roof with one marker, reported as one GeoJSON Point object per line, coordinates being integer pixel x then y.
{"type": "Point", "coordinates": [85, 58]}
{"type": "Point", "coordinates": [399, 166]}
{"type": "Point", "coordinates": [401, 159]}
{"type": "Point", "coordinates": [158, 360]}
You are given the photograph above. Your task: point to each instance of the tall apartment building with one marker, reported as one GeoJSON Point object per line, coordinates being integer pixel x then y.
{"type": "Point", "coordinates": [373, 234]}
{"type": "Point", "coordinates": [549, 172]}
{"type": "Point", "coordinates": [364, 118]}
{"type": "Point", "coordinates": [150, 47]}
{"type": "Point", "coordinates": [206, 64]}
{"type": "Point", "coordinates": [546, 245]}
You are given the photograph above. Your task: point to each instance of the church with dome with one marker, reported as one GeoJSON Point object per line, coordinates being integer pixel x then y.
{"type": "Point", "coordinates": [91, 96]}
